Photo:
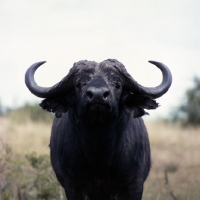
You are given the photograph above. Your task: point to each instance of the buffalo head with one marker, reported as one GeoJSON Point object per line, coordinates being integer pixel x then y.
{"type": "Point", "coordinates": [98, 89]}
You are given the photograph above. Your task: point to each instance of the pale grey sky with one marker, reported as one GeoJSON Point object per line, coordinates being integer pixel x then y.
{"type": "Point", "coordinates": [65, 31]}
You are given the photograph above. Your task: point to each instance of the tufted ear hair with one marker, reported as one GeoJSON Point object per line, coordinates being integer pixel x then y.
{"type": "Point", "coordinates": [138, 103]}
{"type": "Point", "coordinates": [58, 105]}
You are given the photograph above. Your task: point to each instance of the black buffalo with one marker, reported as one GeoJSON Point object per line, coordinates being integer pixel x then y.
{"type": "Point", "coordinates": [99, 144]}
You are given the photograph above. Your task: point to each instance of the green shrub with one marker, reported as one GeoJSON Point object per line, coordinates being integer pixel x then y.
{"type": "Point", "coordinates": [28, 177]}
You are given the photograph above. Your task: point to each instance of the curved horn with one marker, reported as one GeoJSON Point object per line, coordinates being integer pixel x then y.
{"type": "Point", "coordinates": [30, 81]}
{"type": "Point", "coordinates": [45, 92]}
{"type": "Point", "coordinates": [134, 87]}
{"type": "Point", "coordinates": [156, 92]}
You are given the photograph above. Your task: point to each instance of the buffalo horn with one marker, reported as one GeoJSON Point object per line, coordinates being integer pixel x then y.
{"type": "Point", "coordinates": [155, 92]}
{"type": "Point", "coordinates": [45, 92]}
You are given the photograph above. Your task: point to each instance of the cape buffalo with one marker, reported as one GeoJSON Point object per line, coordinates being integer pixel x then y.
{"type": "Point", "coordinates": [99, 145]}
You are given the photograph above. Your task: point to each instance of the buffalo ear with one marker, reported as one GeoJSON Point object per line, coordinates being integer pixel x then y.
{"type": "Point", "coordinates": [57, 105]}
{"type": "Point", "coordinates": [138, 103]}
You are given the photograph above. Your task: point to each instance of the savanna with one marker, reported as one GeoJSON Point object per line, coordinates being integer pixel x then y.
{"type": "Point", "coordinates": [25, 171]}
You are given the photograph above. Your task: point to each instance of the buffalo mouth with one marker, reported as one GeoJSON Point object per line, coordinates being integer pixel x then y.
{"type": "Point", "coordinates": [98, 107]}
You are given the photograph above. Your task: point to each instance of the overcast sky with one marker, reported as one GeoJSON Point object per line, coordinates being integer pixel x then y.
{"type": "Point", "coordinates": [65, 31]}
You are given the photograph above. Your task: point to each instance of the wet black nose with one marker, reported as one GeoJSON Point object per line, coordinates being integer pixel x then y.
{"type": "Point", "coordinates": [97, 94]}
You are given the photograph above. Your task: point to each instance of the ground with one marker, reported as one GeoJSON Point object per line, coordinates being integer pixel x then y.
{"type": "Point", "coordinates": [175, 172]}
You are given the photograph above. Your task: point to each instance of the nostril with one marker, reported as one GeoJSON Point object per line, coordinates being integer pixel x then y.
{"type": "Point", "coordinates": [105, 95]}
{"type": "Point", "coordinates": [90, 95]}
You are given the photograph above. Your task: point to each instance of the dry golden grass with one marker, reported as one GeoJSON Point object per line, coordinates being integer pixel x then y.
{"type": "Point", "coordinates": [175, 172]}
{"type": "Point", "coordinates": [25, 137]}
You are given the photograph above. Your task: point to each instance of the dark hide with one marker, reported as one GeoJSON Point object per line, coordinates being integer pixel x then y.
{"type": "Point", "coordinates": [99, 144]}
{"type": "Point", "coordinates": [100, 163]}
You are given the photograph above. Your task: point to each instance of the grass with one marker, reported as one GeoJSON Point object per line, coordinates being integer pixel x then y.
{"type": "Point", "coordinates": [26, 137]}
{"type": "Point", "coordinates": [25, 170]}
{"type": "Point", "coordinates": [175, 173]}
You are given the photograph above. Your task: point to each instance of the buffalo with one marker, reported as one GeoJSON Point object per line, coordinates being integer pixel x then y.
{"type": "Point", "coordinates": [99, 145]}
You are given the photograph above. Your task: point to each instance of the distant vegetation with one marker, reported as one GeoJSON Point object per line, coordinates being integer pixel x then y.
{"type": "Point", "coordinates": [188, 113]}
{"type": "Point", "coordinates": [30, 112]}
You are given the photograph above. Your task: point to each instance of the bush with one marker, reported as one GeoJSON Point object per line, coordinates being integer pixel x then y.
{"type": "Point", "coordinates": [189, 112]}
{"type": "Point", "coordinates": [28, 177]}
{"type": "Point", "coordinates": [30, 113]}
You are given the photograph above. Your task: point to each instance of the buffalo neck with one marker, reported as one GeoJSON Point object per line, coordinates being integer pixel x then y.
{"type": "Point", "coordinates": [99, 140]}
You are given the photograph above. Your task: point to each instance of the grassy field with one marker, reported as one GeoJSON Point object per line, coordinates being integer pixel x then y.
{"type": "Point", "coordinates": [175, 173]}
{"type": "Point", "coordinates": [175, 170]}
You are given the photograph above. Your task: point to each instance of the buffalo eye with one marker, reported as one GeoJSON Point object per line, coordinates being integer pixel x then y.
{"type": "Point", "coordinates": [117, 85]}
{"type": "Point", "coordinates": [78, 85]}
